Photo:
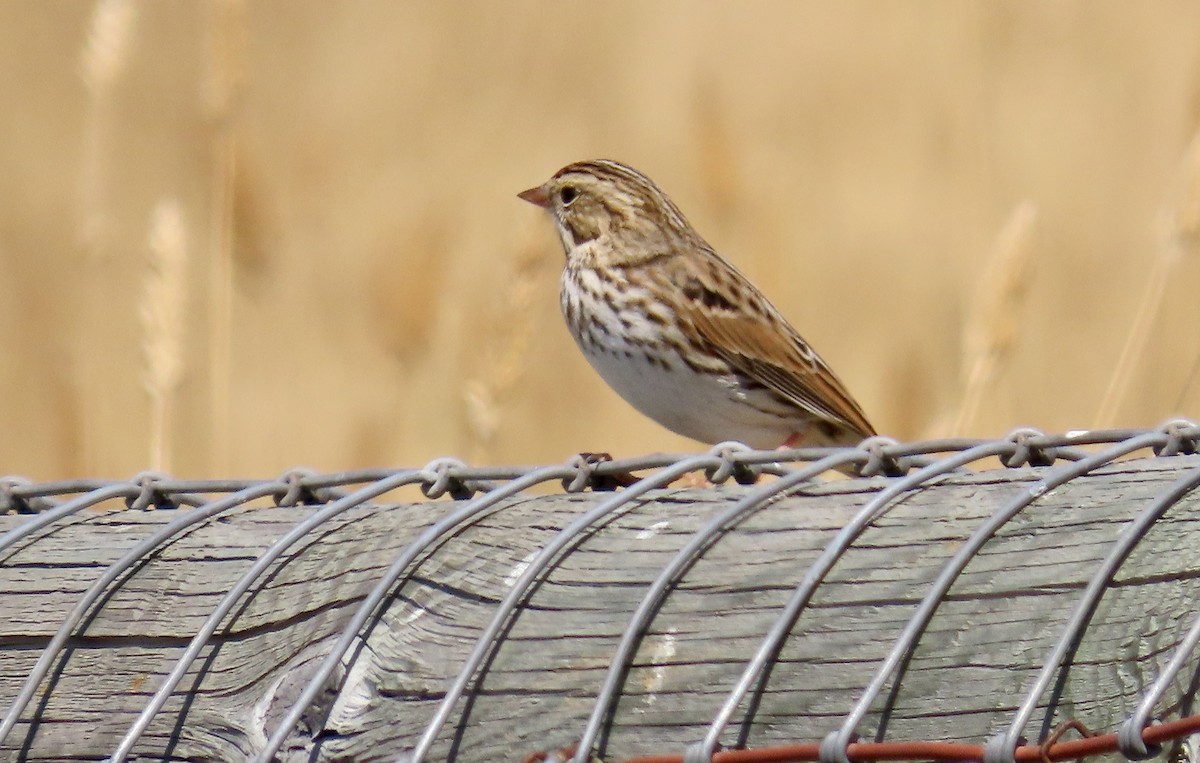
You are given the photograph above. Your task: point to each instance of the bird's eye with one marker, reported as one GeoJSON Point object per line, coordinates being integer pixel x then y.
{"type": "Point", "coordinates": [567, 194]}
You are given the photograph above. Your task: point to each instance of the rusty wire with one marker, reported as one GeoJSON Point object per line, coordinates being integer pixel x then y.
{"type": "Point", "coordinates": [482, 489]}
{"type": "Point", "coordinates": [1100, 744]}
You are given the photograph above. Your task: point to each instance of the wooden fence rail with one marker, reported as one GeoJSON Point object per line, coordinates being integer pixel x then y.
{"type": "Point", "coordinates": [970, 669]}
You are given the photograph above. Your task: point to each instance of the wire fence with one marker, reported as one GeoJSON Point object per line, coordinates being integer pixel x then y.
{"type": "Point", "coordinates": [477, 491]}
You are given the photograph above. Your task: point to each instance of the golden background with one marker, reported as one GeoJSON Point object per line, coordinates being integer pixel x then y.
{"type": "Point", "coordinates": [241, 236]}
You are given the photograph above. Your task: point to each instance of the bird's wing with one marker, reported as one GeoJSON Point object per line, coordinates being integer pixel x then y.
{"type": "Point", "coordinates": [761, 344]}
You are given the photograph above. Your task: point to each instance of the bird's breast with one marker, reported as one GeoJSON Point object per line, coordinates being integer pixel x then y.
{"type": "Point", "coordinates": [643, 354]}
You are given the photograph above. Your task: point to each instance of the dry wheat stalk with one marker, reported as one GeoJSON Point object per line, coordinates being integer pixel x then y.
{"type": "Point", "coordinates": [222, 88]}
{"type": "Point", "coordinates": [994, 323]}
{"type": "Point", "coordinates": [506, 359]}
{"type": "Point", "coordinates": [716, 156]}
{"type": "Point", "coordinates": [106, 53]}
{"type": "Point", "coordinates": [105, 56]}
{"type": "Point", "coordinates": [107, 48]}
{"type": "Point", "coordinates": [162, 318]}
{"type": "Point", "coordinates": [1180, 230]}
{"type": "Point", "coordinates": [1187, 235]}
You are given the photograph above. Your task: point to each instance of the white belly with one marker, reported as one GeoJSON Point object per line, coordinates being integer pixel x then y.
{"type": "Point", "coordinates": [700, 406]}
{"type": "Point", "coordinates": [707, 407]}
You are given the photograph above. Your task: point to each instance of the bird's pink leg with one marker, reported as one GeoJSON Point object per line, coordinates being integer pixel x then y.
{"type": "Point", "coordinates": [793, 441]}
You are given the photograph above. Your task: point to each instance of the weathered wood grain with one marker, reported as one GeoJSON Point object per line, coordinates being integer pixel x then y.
{"type": "Point", "coordinates": [971, 668]}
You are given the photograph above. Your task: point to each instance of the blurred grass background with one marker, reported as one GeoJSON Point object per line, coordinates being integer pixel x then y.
{"type": "Point", "coordinates": [240, 236]}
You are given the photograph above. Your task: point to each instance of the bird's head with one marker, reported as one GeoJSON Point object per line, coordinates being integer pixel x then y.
{"type": "Point", "coordinates": [617, 207]}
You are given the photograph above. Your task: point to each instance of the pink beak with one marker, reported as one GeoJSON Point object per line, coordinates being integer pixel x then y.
{"type": "Point", "coordinates": [536, 196]}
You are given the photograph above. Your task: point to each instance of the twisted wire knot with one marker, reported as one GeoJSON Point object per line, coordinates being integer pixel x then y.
{"type": "Point", "coordinates": [731, 466]}
{"type": "Point", "coordinates": [149, 496]}
{"type": "Point", "coordinates": [1182, 436]}
{"type": "Point", "coordinates": [585, 475]}
{"type": "Point", "coordinates": [1131, 744]}
{"type": "Point", "coordinates": [297, 492]}
{"type": "Point", "coordinates": [833, 747]}
{"type": "Point", "coordinates": [880, 459]}
{"type": "Point", "coordinates": [1026, 449]}
{"type": "Point", "coordinates": [437, 479]}
{"type": "Point", "coordinates": [10, 503]}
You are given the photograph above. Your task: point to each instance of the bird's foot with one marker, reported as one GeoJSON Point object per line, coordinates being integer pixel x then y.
{"type": "Point", "coordinates": [792, 442]}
